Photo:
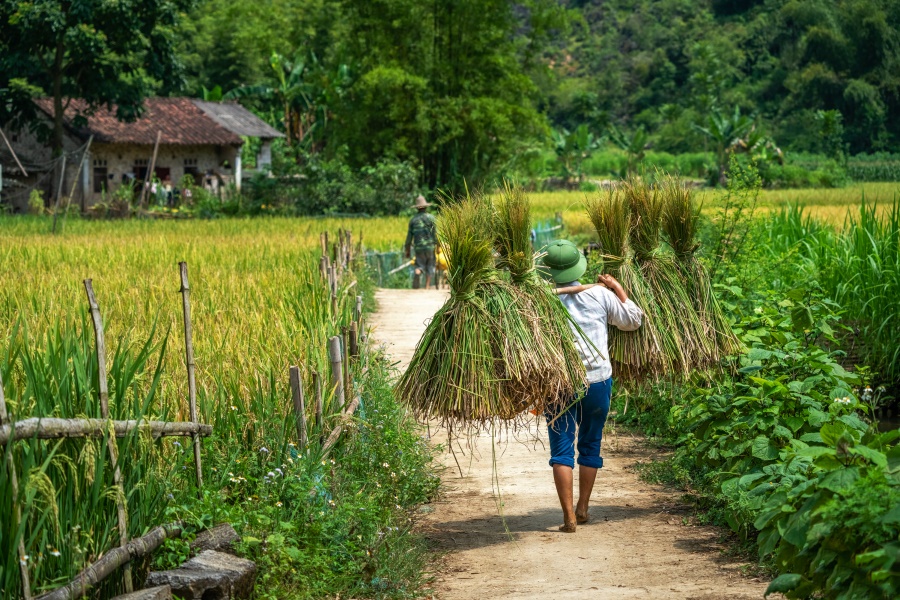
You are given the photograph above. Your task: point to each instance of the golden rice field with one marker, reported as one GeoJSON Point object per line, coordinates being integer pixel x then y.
{"type": "Point", "coordinates": [242, 270]}
{"type": "Point", "coordinates": [829, 205]}
{"type": "Point", "coordinates": [245, 274]}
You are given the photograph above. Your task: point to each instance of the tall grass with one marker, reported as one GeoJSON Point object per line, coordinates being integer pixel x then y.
{"type": "Point", "coordinates": [259, 305]}
{"type": "Point", "coordinates": [858, 266]}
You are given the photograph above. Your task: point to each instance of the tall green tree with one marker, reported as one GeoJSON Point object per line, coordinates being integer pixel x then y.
{"type": "Point", "coordinates": [447, 83]}
{"type": "Point", "coordinates": [105, 53]}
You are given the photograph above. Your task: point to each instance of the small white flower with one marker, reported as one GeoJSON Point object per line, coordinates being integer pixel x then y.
{"type": "Point", "coordinates": [270, 474]}
{"type": "Point", "coordinates": [385, 465]}
{"type": "Point", "coordinates": [24, 560]}
{"type": "Point", "coordinates": [55, 552]}
{"type": "Point", "coordinates": [233, 407]}
{"type": "Point", "coordinates": [177, 443]}
{"type": "Point", "coordinates": [264, 450]}
{"type": "Point", "coordinates": [280, 472]}
{"type": "Point", "coordinates": [278, 504]}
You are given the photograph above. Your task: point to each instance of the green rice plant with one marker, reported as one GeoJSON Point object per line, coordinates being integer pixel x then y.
{"type": "Point", "coordinates": [560, 374]}
{"type": "Point", "coordinates": [67, 492]}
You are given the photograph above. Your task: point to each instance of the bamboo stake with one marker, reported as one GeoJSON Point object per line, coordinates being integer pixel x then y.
{"type": "Point", "coordinates": [345, 355]}
{"type": "Point", "coordinates": [43, 428]}
{"type": "Point", "coordinates": [17, 510]}
{"type": "Point", "coordinates": [13, 152]}
{"type": "Point", "coordinates": [78, 174]}
{"type": "Point", "coordinates": [149, 176]}
{"type": "Point", "coordinates": [354, 343]}
{"type": "Point", "coordinates": [62, 176]}
{"type": "Point", "coordinates": [110, 440]}
{"type": "Point", "coordinates": [299, 405]}
{"type": "Point", "coordinates": [192, 380]}
{"type": "Point", "coordinates": [335, 434]}
{"type": "Point", "coordinates": [112, 560]}
{"type": "Point", "coordinates": [357, 311]}
{"type": "Point", "coordinates": [337, 375]}
{"type": "Point", "coordinates": [317, 382]}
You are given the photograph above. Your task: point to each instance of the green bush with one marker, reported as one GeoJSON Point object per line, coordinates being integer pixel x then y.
{"type": "Point", "coordinates": [782, 452]}
{"type": "Point", "coordinates": [328, 186]}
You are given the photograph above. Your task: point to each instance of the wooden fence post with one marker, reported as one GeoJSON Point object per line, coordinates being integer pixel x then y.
{"type": "Point", "coordinates": [111, 443]}
{"type": "Point", "coordinates": [17, 510]}
{"type": "Point", "coordinates": [192, 380]}
{"type": "Point", "coordinates": [334, 285]}
{"type": "Point", "coordinates": [357, 311]}
{"type": "Point", "coordinates": [299, 405]}
{"type": "Point", "coordinates": [337, 375]}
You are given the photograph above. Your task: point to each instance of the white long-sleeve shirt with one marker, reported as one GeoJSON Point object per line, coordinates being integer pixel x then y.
{"type": "Point", "coordinates": [594, 310]}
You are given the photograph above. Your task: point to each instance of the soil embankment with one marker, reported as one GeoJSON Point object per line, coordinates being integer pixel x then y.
{"type": "Point", "coordinates": [638, 544]}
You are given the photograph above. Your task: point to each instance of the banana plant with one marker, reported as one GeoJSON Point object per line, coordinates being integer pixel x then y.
{"type": "Point", "coordinates": [572, 149]}
{"type": "Point", "coordinates": [635, 146]}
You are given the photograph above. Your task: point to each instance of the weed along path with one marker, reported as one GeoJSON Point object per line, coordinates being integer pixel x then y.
{"type": "Point", "coordinates": [638, 543]}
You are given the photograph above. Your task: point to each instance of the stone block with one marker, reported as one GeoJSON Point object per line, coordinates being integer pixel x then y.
{"type": "Point", "coordinates": [221, 538]}
{"type": "Point", "coordinates": [210, 575]}
{"type": "Point", "coordinates": [162, 592]}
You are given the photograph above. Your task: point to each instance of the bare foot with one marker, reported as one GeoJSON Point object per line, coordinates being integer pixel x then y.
{"type": "Point", "coordinates": [582, 517]}
{"type": "Point", "coordinates": [567, 528]}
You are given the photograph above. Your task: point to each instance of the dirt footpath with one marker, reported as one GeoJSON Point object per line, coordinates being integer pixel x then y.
{"type": "Point", "coordinates": [636, 545]}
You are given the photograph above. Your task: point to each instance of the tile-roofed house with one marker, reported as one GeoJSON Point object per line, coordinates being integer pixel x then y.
{"type": "Point", "coordinates": [199, 139]}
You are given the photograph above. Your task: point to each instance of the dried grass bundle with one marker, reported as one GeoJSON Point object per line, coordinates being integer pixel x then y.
{"type": "Point", "coordinates": [635, 354]}
{"type": "Point", "coordinates": [681, 216]}
{"type": "Point", "coordinates": [561, 374]}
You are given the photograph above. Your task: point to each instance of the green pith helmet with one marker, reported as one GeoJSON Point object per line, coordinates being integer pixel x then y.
{"type": "Point", "coordinates": [562, 262]}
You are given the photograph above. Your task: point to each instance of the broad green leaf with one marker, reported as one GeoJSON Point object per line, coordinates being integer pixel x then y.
{"type": "Point", "coordinates": [763, 449]}
{"type": "Point", "coordinates": [891, 516]}
{"type": "Point", "coordinates": [870, 454]}
{"type": "Point", "coordinates": [759, 354]}
{"type": "Point", "coordinates": [783, 583]}
{"type": "Point", "coordinates": [840, 479]}
{"type": "Point", "coordinates": [832, 432]}
{"type": "Point", "coordinates": [794, 423]}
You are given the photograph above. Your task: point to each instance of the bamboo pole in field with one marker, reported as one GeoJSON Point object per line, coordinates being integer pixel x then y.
{"type": "Point", "coordinates": [43, 428]}
{"type": "Point", "coordinates": [354, 343]}
{"type": "Point", "coordinates": [192, 379]}
{"type": "Point", "coordinates": [345, 356]}
{"type": "Point", "coordinates": [17, 510]}
{"type": "Point", "coordinates": [337, 375]}
{"type": "Point", "coordinates": [13, 152]}
{"type": "Point", "coordinates": [112, 560]}
{"type": "Point", "coordinates": [317, 383]}
{"type": "Point", "coordinates": [357, 310]}
{"type": "Point", "coordinates": [299, 405]}
{"type": "Point", "coordinates": [334, 303]}
{"type": "Point", "coordinates": [62, 176]}
{"type": "Point", "coordinates": [324, 243]}
{"type": "Point", "coordinates": [78, 176]}
{"type": "Point", "coordinates": [111, 443]}
{"type": "Point", "coordinates": [149, 176]}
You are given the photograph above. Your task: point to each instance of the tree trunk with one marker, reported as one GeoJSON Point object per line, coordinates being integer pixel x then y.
{"type": "Point", "coordinates": [58, 111]}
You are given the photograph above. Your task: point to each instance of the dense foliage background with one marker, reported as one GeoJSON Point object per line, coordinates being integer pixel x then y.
{"type": "Point", "coordinates": [478, 89]}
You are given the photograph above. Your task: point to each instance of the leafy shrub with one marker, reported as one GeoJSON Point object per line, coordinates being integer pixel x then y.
{"type": "Point", "coordinates": [781, 452]}
{"type": "Point", "coordinates": [328, 186]}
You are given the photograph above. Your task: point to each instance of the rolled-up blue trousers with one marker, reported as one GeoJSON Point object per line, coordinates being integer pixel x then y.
{"type": "Point", "coordinates": [587, 416]}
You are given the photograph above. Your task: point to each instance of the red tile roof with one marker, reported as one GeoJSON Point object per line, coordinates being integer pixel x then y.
{"type": "Point", "coordinates": [179, 119]}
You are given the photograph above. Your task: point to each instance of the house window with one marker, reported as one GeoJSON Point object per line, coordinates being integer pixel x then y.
{"type": "Point", "coordinates": [190, 168]}
{"type": "Point", "coordinates": [140, 169]}
{"type": "Point", "coordinates": [100, 175]}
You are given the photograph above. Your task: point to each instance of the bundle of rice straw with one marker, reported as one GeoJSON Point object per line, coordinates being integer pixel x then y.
{"type": "Point", "coordinates": [636, 354]}
{"type": "Point", "coordinates": [560, 374]}
{"type": "Point", "coordinates": [681, 330]}
{"type": "Point", "coordinates": [679, 223]}
{"type": "Point", "coordinates": [483, 355]}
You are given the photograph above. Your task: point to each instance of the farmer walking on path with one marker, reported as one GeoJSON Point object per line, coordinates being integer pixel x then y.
{"type": "Point", "coordinates": [422, 238]}
{"type": "Point", "coordinates": [593, 310]}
